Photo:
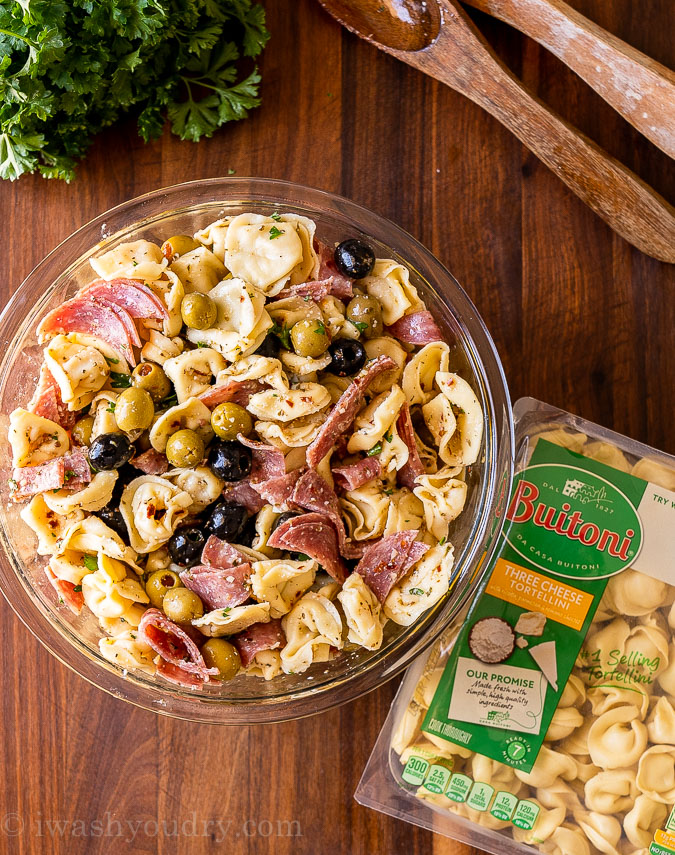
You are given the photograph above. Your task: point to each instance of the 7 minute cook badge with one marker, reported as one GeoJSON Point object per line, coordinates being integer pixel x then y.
{"type": "Point", "coordinates": [572, 523]}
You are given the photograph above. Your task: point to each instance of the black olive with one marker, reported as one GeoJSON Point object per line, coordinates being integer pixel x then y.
{"type": "Point", "coordinates": [270, 346]}
{"type": "Point", "coordinates": [186, 545]}
{"type": "Point", "coordinates": [347, 356]}
{"type": "Point", "coordinates": [227, 521]}
{"type": "Point", "coordinates": [248, 533]}
{"type": "Point", "coordinates": [110, 451]}
{"type": "Point", "coordinates": [285, 517]}
{"type": "Point", "coordinates": [230, 460]}
{"type": "Point", "coordinates": [112, 517]}
{"type": "Point", "coordinates": [354, 258]}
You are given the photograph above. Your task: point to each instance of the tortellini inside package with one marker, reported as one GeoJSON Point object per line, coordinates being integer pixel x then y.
{"type": "Point", "coordinates": [543, 720]}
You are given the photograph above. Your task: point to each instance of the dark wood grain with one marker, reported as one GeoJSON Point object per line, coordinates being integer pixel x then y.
{"type": "Point", "coordinates": [580, 319]}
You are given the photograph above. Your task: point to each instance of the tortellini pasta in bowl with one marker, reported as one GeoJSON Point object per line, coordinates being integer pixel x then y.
{"type": "Point", "coordinates": [225, 480]}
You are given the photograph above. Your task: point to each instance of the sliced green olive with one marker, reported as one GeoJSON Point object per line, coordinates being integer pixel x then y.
{"type": "Point", "coordinates": [178, 245]}
{"type": "Point", "coordinates": [222, 655]}
{"type": "Point", "coordinates": [365, 313]}
{"type": "Point", "coordinates": [198, 311]}
{"type": "Point", "coordinates": [152, 378]}
{"type": "Point", "coordinates": [182, 605]}
{"type": "Point", "coordinates": [185, 448]}
{"type": "Point", "coordinates": [309, 338]}
{"type": "Point", "coordinates": [227, 420]}
{"type": "Point", "coordinates": [82, 430]}
{"type": "Point", "coordinates": [134, 409]}
{"type": "Point", "coordinates": [158, 583]}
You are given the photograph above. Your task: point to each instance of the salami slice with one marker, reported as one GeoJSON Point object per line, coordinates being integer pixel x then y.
{"type": "Point", "coordinates": [218, 588]}
{"type": "Point", "coordinates": [342, 286]}
{"type": "Point", "coordinates": [173, 644]}
{"type": "Point", "coordinates": [151, 462]}
{"type": "Point", "coordinates": [417, 328]}
{"type": "Point", "coordinates": [221, 554]}
{"type": "Point", "coordinates": [278, 491]}
{"type": "Point", "coordinates": [46, 401]}
{"type": "Point", "coordinates": [236, 391]}
{"type": "Point", "coordinates": [413, 467]}
{"type": "Point", "coordinates": [389, 560]}
{"type": "Point", "coordinates": [258, 637]}
{"type": "Point", "coordinates": [316, 290]}
{"type": "Point", "coordinates": [31, 480]}
{"type": "Point", "coordinates": [314, 535]}
{"type": "Point", "coordinates": [268, 461]}
{"type": "Point", "coordinates": [344, 412]}
{"type": "Point", "coordinates": [132, 295]}
{"type": "Point", "coordinates": [246, 494]}
{"type": "Point", "coordinates": [357, 474]}
{"type": "Point", "coordinates": [66, 592]}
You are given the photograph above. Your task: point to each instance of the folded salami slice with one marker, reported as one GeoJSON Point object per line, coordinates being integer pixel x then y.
{"type": "Point", "coordinates": [342, 286]}
{"type": "Point", "coordinates": [174, 645]}
{"type": "Point", "coordinates": [219, 588]}
{"type": "Point", "coordinates": [413, 467]}
{"type": "Point", "coordinates": [66, 591]}
{"type": "Point", "coordinates": [235, 391]}
{"type": "Point", "coordinates": [344, 412]}
{"type": "Point", "coordinates": [357, 474]}
{"type": "Point", "coordinates": [278, 491]}
{"type": "Point", "coordinates": [258, 637]}
{"type": "Point", "coordinates": [71, 471]}
{"type": "Point", "coordinates": [316, 290]}
{"type": "Point", "coordinates": [83, 314]}
{"type": "Point", "coordinates": [389, 560]}
{"type": "Point", "coordinates": [417, 328]}
{"type": "Point", "coordinates": [132, 295]}
{"type": "Point", "coordinates": [268, 461]}
{"type": "Point", "coordinates": [175, 674]}
{"type": "Point", "coordinates": [151, 462]}
{"type": "Point", "coordinates": [46, 401]}
{"type": "Point", "coordinates": [246, 494]}
{"type": "Point", "coordinates": [314, 535]}
{"type": "Point", "coordinates": [221, 554]}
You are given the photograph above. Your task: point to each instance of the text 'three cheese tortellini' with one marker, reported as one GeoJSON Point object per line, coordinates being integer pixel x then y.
{"type": "Point", "coordinates": [362, 612]}
{"type": "Point", "coordinates": [193, 370]}
{"type": "Point", "coordinates": [137, 259]}
{"type": "Point", "coordinates": [303, 400]}
{"type": "Point", "coordinates": [94, 496]}
{"type": "Point", "coordinates": [159, 347]}
{"type": "Point", "coordinates": [152, 507]}
{"type": "Point", "coordinates": [422, 587]}
{"type": "Point", "coordinates": [34, 439]}
{"type": "Point", "coordinates": [201, 483]}
{"type": "Point", "coordinates": [266, 664]}
{"type": "Point", "coordinates": [443, 497]}
{"type": "Point", "coordinates": [312, 627]}
{"type": "Point", "coordinates": [192, 414]}
{"type": "Point", "coordinates": [47, 525]}
{"type": "Point", "coordinates": [280, 583]}
{"type": "Point", "coordinates": [617, 738]}
{"type": "Point", "coordinates": [129, 651]}
{"type": "Point", "coordinates": [256, 367]}
{"type": "Point", "coordinates": [262, 251]}
{"type": "Point", "coordinates": [374, 421]}
{"type": "Point", "coordinates": [365, 511]}
{"type": "Point", "coordinates": [642, 820]}
{"type": "Point", "coordinates": [420, 373]}
{"type": "Point", "coordinates": [229, 621]}
{"type": "Point", "coordinates": [80, 371]}
{"type": "Point", "coordinates": [389, 284]}
{"type": "Point", "coordinates": [465, 442]}
{"type": "Point", "coordinates": [385, 345]}
{"type": "Point", "coordinates": [199, 270]}
{"type": "Point", "coordinates": [241, 323]}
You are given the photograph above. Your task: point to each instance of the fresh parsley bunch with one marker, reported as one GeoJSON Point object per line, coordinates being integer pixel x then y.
{"type": "Point", "coordinates": [69, 68]}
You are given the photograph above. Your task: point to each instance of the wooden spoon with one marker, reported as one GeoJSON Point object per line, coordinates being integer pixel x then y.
{"type": "Point", "coordinates": [638, 87]}
{"type": "Point", "coordinates": [437, 37]}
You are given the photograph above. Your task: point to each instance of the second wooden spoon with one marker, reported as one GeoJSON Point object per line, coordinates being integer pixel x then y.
{"type": "Point", "coordinates": [438, 38]}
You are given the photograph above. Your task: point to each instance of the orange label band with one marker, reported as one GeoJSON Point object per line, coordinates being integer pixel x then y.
{"type": "Point", "coordinates": [532, 591]}
{"type": "Point", "coordinates": [665, 839]}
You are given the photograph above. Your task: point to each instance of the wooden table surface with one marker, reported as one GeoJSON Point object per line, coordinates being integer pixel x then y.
{"type": "Point", "coordinates": [581, 320]}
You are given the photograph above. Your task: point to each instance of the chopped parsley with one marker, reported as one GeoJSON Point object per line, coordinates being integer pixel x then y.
{"type": "Point", "coordinates": [168, 402]}
{"type": "Point", "coordinates": [119, 381]}
{"type": "Point", "coordinates": [231, 171]}
{"type": "Point", "coordinates": [302, 557]}
{"type": "Point", "coordinates": [389, 436]}
{"type": "Point", "coordinates": [111, 407]}
{"type": "Point", "coordinates": [275, 232]}
{"type": "Point", "coordinates": [441, 541]}
{"type": "Point", "coordinates": [389, 491]}
{"type": "Point", "coordinates": [276, 216]}
{"type": "Point", "coordinates": [417, 592]}
{"type": "Point", "coordinates": [227, 611]}
{"type": "Point", "coordinates": [13, 484]}
{"type": "Point", "coordinates": [283, 333]}
{"type": "Point", "coordinates": [91, 563]}
{"type": "Point", "coordinates": [376, 449]}
{"type": "Point", "coordinates": [69, 473]}
{"type": "Point", "coordinates": [320, 329]}
{"type": "Point", "coordinates": [111, 361]}
{"type": "Point", "coordinates": [361, 326]}
{"type": "Point", "coordinates": [77, 589]}
{"type": "Point", "coordinates": [202, 344]}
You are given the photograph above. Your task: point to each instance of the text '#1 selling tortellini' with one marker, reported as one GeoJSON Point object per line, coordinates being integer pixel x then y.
{"type": "Point", "coordinates": [544, 719]}
{"type": "Point", "coordinates": [245, 451]}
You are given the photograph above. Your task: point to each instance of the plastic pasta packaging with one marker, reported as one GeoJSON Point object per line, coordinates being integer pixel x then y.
{"type": "Point", "coordinates": [544, 717]}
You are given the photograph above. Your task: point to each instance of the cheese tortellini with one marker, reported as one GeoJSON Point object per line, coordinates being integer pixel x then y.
{"type": "Point", "coordinates": [312, 627]}
{"type": "Point", "coordinates": [34, 439]}
{"type": "Point", "coordinates": [152, 507]}
{"type": "Point", "coordinates": [80, 371]}
{"type": "Point", "coordinates": [362, 612]}
{"type": "Point", "coordinates": [193, 371]}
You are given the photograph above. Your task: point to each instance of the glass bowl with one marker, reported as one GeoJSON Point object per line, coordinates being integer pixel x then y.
{"type": "Point", "coordinates": [186, 208]}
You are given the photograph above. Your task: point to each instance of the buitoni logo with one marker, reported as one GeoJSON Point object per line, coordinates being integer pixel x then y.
{"type": "Point", "coordinates": [572, 522]}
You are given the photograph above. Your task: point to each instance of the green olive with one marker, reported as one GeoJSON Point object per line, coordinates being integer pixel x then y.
{"type": "Point", "coordinates": [152, 378]}
{"type": "Point", "coordinates": [363, 309]}
{"type": "Point", "coordinates": [158, 583]}
{"type": "Point", "coordinates": [198, 311]}
{"type": "Point", "coordinates": [185, 448]}
{"type": "Point", "coordinates": [227, 420]}
{"type": "Point", "coordinates": [82, 430]}
{"type": "Point", "coordinates": [309, 338]}
{"type": "Point", "coordinates": [134, 409]}
{"type": "Point", "coordinates": [222, 655]}
{"type": "Point", "coordinates": [178, 245]}
{"type": "Point", "coordinates": [182, 605]}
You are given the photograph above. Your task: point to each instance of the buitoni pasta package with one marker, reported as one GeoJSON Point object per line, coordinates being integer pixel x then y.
{"type": "Point", "coordinates": [543, 719]}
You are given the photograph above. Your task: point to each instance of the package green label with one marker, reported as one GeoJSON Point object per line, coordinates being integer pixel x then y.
{"type": "Point", "coordinates": [504, 806]}
{"type": "Point", "coordinates": [459, 788]}
{"type": "Point", "coordinates": [571, 524]}
{"type": "Point", "coordinates": [415, 771]}
{"type": "Point", "coordinates": [437, 779]}
{"type": "Point", "coordinates": [480, 796]}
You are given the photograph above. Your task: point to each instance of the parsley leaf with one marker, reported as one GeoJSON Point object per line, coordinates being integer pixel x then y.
{"type": "Point", "coordinates": [91, 563]}
{"type": "Point", "coordinates": [111, 407]}
{"type": "Point", "coordinates": [275, 232]}
{"type": "Point", "coordinates": [276, 216]}
{"type": "Point", "coordinates": [283, 333]}
{"type": "Point", "coordinates": [320, 328]}
{"type": "Point", "coordinates": [119, 381]}
{"type": "Point", "coordinates": [361, 326]}
{"type": "Point", "coordinates": [417, 592]}
{"type": "Point", "coordinates": [376, 449]}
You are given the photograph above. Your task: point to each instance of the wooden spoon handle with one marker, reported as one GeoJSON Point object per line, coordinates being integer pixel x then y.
{"type": "Point", "coordinates": [460, 57]}
{"type": "Point", "coordinates": [639, 88]}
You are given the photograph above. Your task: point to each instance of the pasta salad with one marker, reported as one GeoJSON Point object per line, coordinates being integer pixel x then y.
{"type": "Point", "coordinates": [245, 450]}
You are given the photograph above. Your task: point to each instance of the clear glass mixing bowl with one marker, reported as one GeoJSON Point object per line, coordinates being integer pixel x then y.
{"type": "Point", "coordinates": [183, 209]}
